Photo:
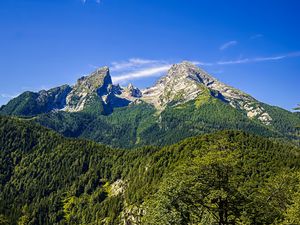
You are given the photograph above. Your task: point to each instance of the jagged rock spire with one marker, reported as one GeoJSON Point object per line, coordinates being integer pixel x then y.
{"type": "Point", "coordinates": [86, 88]}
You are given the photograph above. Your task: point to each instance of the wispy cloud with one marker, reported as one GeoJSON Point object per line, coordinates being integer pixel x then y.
{"type": "Point", "coordinates": [200, 63]}
{"type": "Point", "coordinates": [85, 1]}
{"type": "Point", "coordinates": [134, 63]}
{"type": "Point", "coordinates": [260, 59]}
{"type": "Point", "coordinates": [4, 95]}
{"type": "Point", "coordinates": [255, 36]}
{"type": "Point", "coordinates": [229, 62]}
{"type": "Point", "coordinates": [147, 72]}
{"type": "Point", "coordinates": [135, 68]}
{"type": "Point", "coordinates": [228, 45]}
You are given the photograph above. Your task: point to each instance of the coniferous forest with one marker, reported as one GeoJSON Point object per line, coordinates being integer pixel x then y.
{"type": "Point", "coordinates": [152, 112]}
{"type": "Point", "coordinates": [228, 177]}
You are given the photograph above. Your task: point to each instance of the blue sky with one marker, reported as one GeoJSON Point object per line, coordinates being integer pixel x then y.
{"type": "Point", "coordinates": [251, 45]}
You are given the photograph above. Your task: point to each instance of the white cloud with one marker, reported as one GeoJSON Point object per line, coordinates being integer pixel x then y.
{"type": "Point", "coordinates": [238, 61]}
{"type": "Point", "coordinates": [272, 58]}
{"type": "Point", "coordinates": [146, 72]}
{"type": "Point", "coordinates": [138, 68]}
{"type": "Point", "coordinates": [260, 59]}
{"type": "Point", "coordinates": [200, 63]}
{"type": "Point", "coordinates": [228, 45]}
{"type": "Point", "coordinates": [135, 68]}
{"type": "Point", "coordinates": [3, 95]}
{"type": "Point", "coordinates": [133, 63]}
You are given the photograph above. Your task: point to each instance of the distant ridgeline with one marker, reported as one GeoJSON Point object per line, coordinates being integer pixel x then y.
{"type": "Point", "coordinates": [185, 102]}
{"type": "Point", "coordinates": [228, 177]}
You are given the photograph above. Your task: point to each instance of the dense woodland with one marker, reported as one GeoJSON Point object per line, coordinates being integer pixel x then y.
{"type": "Point", "coordinates": [228, 177]}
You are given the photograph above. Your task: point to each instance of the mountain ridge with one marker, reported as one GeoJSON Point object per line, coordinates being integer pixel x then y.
{"type": "Point", "coordinates": [183, 82]}
{"type": "Point", "coordinates": [185, 102]}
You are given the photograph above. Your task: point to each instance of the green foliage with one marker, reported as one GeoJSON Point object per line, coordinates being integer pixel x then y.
{"type": "Point", "coordinates": [203, 98]}
{"type": "Point", "coordinates": [292, 214]}
{"type": "Point", "coordinates": [119, 129]}
{"type": "Point", "coordinates": [225, 178]}
{"type": "Point", "coordinates": [140, 125]}
{"type": "Point", "coordinates": [284, 121]}
{"type": "Point", "coordinates": [40, 169]}
{"type": "Point", "coordinates": [3, 220]}
{"type": "Point", "coordinates": [32, 104]}
{"type": "Point", "coordinates": [228, 177]}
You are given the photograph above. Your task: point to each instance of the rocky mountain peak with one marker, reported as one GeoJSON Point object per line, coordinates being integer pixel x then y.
{"type": "Point", "coordinates": [88, 88]}
{"type": "Point", "coordinates": [185, 81]}
{"type": "Point", "coordinates": [188, 70]}
{"type": "Point", "coordinates": [130, 86]}
{"type": "Point", "coordinates": [100, 77]}
{"type": "Point", "coordinates": [181, 83]}
{"type": "Point", "coordinates": [130, 93]}
{"type": "Point", "coordinates": [133, 91]}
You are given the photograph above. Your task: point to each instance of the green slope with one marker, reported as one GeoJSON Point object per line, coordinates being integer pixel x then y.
{"type": "Point", "coordinates": [226, 178]}
{"type": "Point", "coordinates": [140, 124]}
{"type": "Point", "coordinates": [32, 104]}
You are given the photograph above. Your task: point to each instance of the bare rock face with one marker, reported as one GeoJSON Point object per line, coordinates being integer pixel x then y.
{"type": "Point", "coordinates": [185, 81]}
{"type": "Point", "coordinates": [34, 103]}
{"type": "Point", "coordinates": [130, 93]}
{"type": "Point", "coordinates": [98, 87]}
{"type": "Point", "coordinates": [98, 83]}
{"type": "Point", "coordinates": [118, 187]}
{"type": "Point", "coordinates": [180, 85]}
{"type": "Point", "coordinates": [54, 98]}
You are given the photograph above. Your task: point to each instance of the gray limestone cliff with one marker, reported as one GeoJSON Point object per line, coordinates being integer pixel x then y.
{"type": "Point", "coordinates": [185, 81]}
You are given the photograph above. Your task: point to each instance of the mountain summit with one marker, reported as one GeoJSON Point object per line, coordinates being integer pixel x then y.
{"type": "Point", "coordinates": [87, 88]}
{"type": "Point", "coordinates": [186, 81]}
{"type": "Point", "coordinates": [182, 83]}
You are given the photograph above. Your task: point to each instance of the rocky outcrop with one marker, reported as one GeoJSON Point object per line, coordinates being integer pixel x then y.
{"type": "Point", "coordinates": [132, 215]}
{"type": "Point", "coordinates": [185, 81]}
{"type": "Point", "coordinates": [118, 187]}
{"type": "Point", "coordinates": [32, 103]}
{"type": "Point", "coordinates": [130, 93]}
{"type": "Point", "coordinates": [98, 87]}
{"type": "Point", "coordinates": [97, 84]}
{"type": "Point", "coordinates": [54, 98]}
{"type": "Point", "coordinates": [181, 84]}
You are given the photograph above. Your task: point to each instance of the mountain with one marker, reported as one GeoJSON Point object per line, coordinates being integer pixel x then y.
{"type": "Point", "coordinates": [94, 92]}
{"type": "Point", "coordinates": [31, 103]}
{"type": "Point", "coordinates": [185, 82]}
{"type": "Point", "coordinates": [185, 102]}
{"type": "Point", "coordinates": [228, 177]}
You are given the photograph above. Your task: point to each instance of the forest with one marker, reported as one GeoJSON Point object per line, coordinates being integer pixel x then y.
{"type": "Point", "coordinates": [226, 177]}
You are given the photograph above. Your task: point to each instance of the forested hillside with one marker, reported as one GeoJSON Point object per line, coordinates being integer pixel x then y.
{"type": "Point", "coordinates": [140, 124]}
{"type": "Point", "coordinates": [227, 177]}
